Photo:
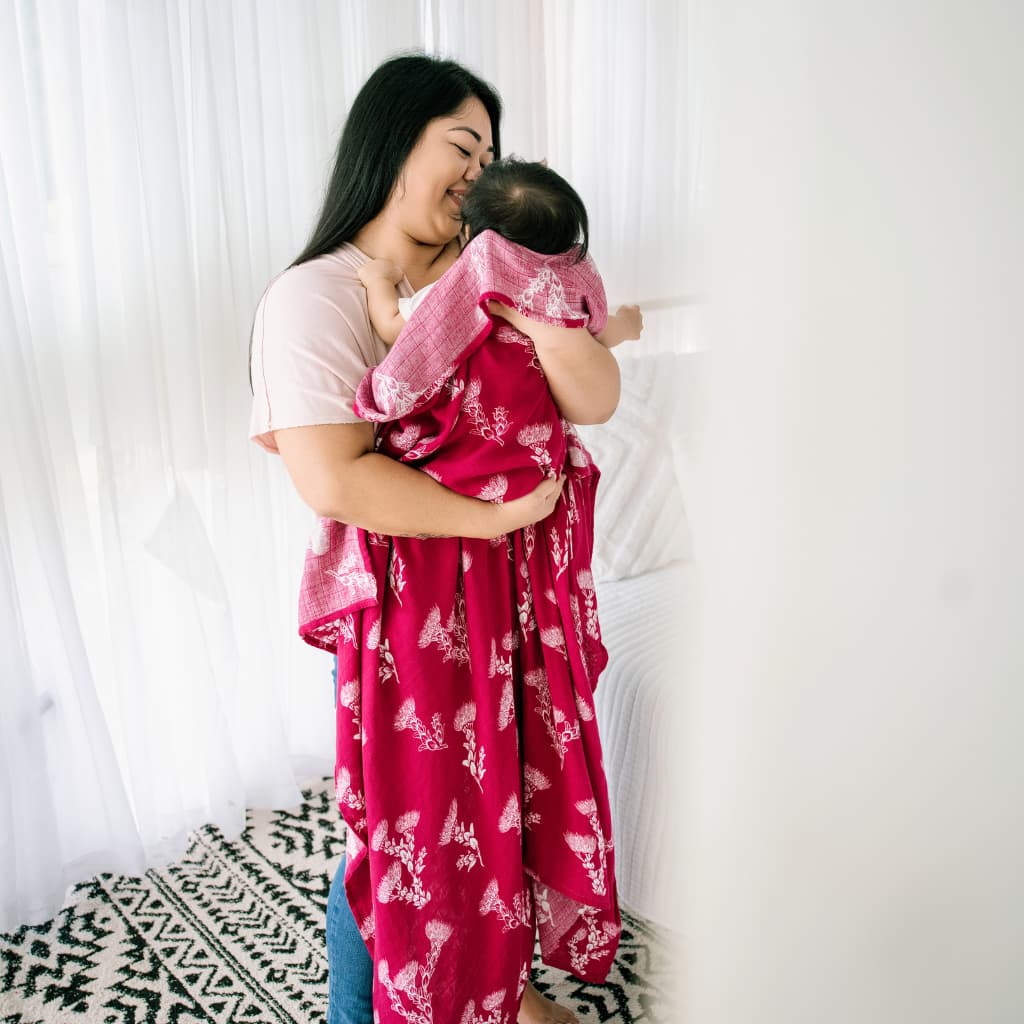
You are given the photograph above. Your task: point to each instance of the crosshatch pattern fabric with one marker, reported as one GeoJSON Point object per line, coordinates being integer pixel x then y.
{"type": "Point", "coordinates": [469, 767]}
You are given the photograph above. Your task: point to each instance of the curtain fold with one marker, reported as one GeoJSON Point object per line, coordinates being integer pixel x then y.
{"type": "Point", "coordinates": [64, 805]}
{"type": "Point", "coordinates": [159, 163]}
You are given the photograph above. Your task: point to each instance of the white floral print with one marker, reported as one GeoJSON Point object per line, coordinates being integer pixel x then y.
{"type": "Point", "coordinates": [560, 731]}
{"type": "Point", "coordinates": [546, 282]}
{"type": "Point", "coordinates": [535, 436]}
{"type": "Point", "coordinates": [401, 848]}
{"type": "Point", "coordinates": [595, 935]}
{"type": "Point", "coordinates": [465, 723]}
{"type": "Point", "coordinates": [511, 817]}
{"type": "Point", "coordinates": [514, 915]}
{"type": "Point", "coordinates": [409, 990]}
{"type": "Point", "coordinates": [464, 835]}
{"type": "Point", "coordinates": [320, 538]}
{"type": "Point", "coordinates": [553, 637]}
{"type": "Point", "coordinates": [585, 580]}
{"type": "Point", "coordinates": [491, 1005]}
{"type": "Point", "coordinates": [587, 846]}
{"type": "Point", "coordinates": [396, 576]}
{"type": "Point", "coordinates": [542, 905]}
{"type": "Point", "coordinates": [490, 428]}
{"type": "Point", "coordinates": [451, 637]}
{"type": "Point", "coordinates": [345, 794]}
{"type": "Point", "coordinates": [495, 489]}
{"type": "Point", "coordinates": [431, 738]}
{"type": "Point", "coordinates": [348, 694]}
{"type": "Point", "coordinates": [559, 552]}
{"type": "Point", "coordinates": [406, 438]}
{"type": "Point", "coordinates": [387, 669]}
{"type": "Point", "coordinates": [533, 780]}
{"type": "Point", "coordinates": [507, 707]}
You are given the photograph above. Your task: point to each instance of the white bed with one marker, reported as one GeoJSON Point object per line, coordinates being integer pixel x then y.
{"type": "Point", "coordinates": [647, 624]}
{"type": "Point", "coordinates": [646, 584]}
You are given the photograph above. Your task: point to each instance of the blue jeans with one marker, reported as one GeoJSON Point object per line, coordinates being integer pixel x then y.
{"type": "Point", "coordinates": [349, 966]}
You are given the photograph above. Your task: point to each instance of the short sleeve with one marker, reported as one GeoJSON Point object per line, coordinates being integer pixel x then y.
{"type": "Point", "coordinates": [312, 343]}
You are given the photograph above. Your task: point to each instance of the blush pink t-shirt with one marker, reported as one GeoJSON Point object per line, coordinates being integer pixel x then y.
{"type": "Point", "coordinates": [312, 344]}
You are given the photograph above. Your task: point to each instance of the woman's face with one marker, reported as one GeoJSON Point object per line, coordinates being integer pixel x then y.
{"type": "Point", "coordinates": [438, 173]}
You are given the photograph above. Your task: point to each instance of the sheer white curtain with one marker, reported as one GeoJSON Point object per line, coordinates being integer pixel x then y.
{"type": "Point", "coordinates": [602, 90]}
{"type": "Point", "coordinates": [159, 163]}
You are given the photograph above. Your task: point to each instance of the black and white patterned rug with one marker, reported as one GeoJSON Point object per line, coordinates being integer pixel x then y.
{"type": "Point", "coordinates": [235, 932]}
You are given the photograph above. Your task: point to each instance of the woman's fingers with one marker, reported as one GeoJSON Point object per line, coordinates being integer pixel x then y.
{"type": "Point", "coordinates": [532, 507]}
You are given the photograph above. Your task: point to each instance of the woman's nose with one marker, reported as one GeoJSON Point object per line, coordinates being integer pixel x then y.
{"type": "Point", "coordinates": [474, 170]}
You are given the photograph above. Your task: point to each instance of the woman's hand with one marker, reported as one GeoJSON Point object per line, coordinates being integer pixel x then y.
{"type": "Point", "coordinates": [380, 270]}
{"type": "Point", "coordinates": [532, 507]}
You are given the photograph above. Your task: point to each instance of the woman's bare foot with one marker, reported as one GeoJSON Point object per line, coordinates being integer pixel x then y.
{"type": "Point", "coordinates": [538, 1009]}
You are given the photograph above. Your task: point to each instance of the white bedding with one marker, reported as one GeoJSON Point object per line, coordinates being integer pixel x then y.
{"type": "Point", "coordinates": [647, 623]}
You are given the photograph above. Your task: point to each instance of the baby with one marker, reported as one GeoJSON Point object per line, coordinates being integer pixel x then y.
{"type": "Point", "coordinates": [526, 203]}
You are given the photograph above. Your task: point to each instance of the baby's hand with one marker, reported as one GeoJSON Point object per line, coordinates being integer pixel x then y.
{"type": "Point", "coordinates": [380, 269]}
{"type": "Point", "coordinates": [632, 322]}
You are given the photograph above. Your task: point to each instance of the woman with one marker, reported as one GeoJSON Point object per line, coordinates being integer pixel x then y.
{"type": "Point", "coordinates": [418, 135]}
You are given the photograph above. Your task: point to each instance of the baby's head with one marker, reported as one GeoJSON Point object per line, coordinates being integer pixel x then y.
{"type": "Point", "coordinates": [529, 204]}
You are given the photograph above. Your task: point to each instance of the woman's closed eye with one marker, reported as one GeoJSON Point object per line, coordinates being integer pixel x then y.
{"type": "Point", "coordinates": [465, 152]}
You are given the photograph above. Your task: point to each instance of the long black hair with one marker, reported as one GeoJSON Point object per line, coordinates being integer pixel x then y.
{"type": "Point", "coordinates": [528, 203]}
{"type": "Point", "coordinates": [386, 120]}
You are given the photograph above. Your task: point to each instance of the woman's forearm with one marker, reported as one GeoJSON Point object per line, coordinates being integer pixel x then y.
{"type": "Point", "coordinates": [339, 476]}
{"type": "Point", "coordinates": [388, 497]}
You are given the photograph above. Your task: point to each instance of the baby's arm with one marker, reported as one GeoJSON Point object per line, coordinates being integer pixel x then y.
{"type": "Point", "coordinates": [625, 324]}
{"type": "Point", "coordinates": [582, 373]}
{"type": "Point", "coordinates": [380, 277]}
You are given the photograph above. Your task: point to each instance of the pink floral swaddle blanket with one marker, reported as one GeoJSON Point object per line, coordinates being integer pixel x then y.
{"type": "Point", "coordinates": [468, 767]}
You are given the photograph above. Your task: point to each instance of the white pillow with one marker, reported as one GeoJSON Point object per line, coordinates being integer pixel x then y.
{"type": "Point", "coordinates": [641, 523]}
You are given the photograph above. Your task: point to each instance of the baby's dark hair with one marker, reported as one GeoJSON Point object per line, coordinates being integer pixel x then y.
{"type": "Point", "coordinates": [529, 204]}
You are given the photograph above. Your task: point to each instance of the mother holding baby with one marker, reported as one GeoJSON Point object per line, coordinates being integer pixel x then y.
{"type": "Point", "coordinates": [468, 765]}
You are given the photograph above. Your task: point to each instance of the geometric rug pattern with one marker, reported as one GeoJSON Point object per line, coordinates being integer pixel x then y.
{"type": "Point", "coordinates": [235, 932]}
